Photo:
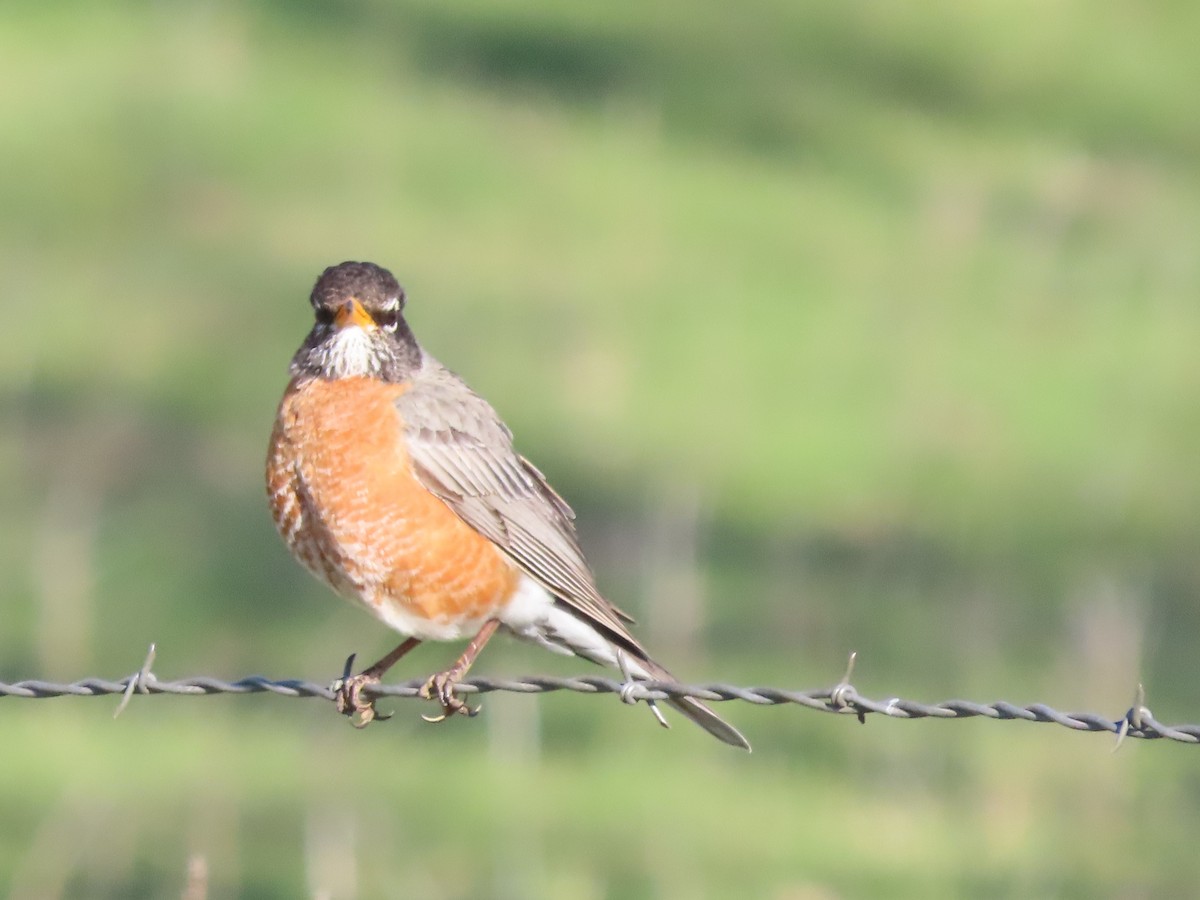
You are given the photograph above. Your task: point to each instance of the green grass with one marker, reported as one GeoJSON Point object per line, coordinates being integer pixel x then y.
{"type": "Point", "coordinates": [910, 812]}
{"type": "Point", "coordinates": [893, 307]}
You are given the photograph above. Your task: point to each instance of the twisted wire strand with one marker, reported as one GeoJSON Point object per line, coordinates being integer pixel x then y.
{"type": "Point", "coordinates": [843, 698]}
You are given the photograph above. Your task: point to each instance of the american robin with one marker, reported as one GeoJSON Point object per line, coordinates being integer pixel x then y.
{"type": "Point", "coordinates": [398, 486]}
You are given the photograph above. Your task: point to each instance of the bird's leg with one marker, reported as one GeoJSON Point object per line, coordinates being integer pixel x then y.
{"type": "Point", "coordinates": [348, 690]}
{"type": "Point", "coordinates": [440, 687]}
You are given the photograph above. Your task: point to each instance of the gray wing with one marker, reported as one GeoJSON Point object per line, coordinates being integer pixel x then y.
{"type": "Point", "coordinates": [462, 452]}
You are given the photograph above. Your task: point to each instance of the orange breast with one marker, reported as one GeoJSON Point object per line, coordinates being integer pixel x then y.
{"type": "Point", "coordinates": [344, 498]}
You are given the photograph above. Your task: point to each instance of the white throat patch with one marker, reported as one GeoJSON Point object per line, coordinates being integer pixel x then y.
{"type": "Point", "coordinates": [352, 352]}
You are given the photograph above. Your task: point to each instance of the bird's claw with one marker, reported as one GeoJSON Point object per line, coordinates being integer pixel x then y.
{"type": "Point", "coordinates": [350, 700]}
{"type": "Point", "coordinates": [440, 687]}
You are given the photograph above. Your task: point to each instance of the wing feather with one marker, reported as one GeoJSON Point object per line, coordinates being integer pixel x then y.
{"type": "Point", "coordinates": [462, 452]}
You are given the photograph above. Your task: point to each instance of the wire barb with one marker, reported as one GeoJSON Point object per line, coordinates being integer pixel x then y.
{"type": "Point", "coordinates": [843, 695]}
{"type": "Point", "coordinates": [1135, 718]}
{"type": "Point", "coordinates": [841, 698]}
{"type": "Point", "coordinates": [139, 681]}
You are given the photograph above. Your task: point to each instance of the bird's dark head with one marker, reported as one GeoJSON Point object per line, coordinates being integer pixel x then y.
{"type": "Point", "coordinates": [357, 293]}
{"type": "Point", "coordinates": [359, 329]}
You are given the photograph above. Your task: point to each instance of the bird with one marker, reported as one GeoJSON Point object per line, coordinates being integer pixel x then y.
{"type": "Point", "coordinates": [399, 487]}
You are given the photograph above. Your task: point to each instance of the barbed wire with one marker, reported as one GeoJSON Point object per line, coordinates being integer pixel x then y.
{"type": "Point", "coordinates": [843, 698]}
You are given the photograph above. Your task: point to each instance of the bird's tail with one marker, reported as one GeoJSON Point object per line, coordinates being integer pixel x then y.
{"type": "Point", "coordinates": [692, 708]}
{"type": "Point", "coordinates": [563, 629]}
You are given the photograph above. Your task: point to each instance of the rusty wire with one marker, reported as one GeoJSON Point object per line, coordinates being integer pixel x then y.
{"type": "Point", "coordinates": [842, 698]}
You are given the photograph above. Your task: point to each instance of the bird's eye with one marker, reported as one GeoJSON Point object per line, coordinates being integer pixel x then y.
{"type": "Point", "coordinates": [387, 319]}
{"type": "Point", "coordinates": [324, 315]}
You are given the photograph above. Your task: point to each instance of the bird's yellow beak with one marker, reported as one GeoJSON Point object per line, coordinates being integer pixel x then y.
{"type": "Point", "coordinates": [352, 313]}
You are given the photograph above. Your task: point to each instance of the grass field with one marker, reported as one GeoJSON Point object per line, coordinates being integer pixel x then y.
{"type": "Point", "coordinates": [843, 327]}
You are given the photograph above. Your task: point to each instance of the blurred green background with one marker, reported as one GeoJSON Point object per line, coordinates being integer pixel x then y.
{"type": "Point", "coordinates": [842, 326]}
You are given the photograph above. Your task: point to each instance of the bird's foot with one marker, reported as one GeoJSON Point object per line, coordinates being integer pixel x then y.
{"type": "Point", "coordinates": [350, 699]}
{"type": "Point", "coordinates": [440, 687]}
